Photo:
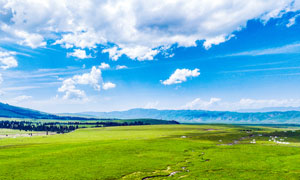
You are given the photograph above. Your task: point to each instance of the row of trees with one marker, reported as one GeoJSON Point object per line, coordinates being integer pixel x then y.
{"type": "Point", "coordinates": [31, 126]}
{"type": "Point", "coordinates": [61, 127]}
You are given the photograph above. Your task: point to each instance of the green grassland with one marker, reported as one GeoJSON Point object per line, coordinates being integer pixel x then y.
{"type": "Point", "coordinates": [12, 132]}
{"type": "Point", "coordinates": [154, 152]}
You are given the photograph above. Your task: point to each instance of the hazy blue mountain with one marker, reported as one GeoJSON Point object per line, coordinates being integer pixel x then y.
{"type": "Point", "coordinates": [9, 111]}
{"type": "Point", "coordinates": [201, 116]}
{"type": "Point", "coordinates": [184, 116]}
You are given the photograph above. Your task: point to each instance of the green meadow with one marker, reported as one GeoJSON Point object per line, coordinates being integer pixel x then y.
{"type": "Point", "coordinates": [154, 152]}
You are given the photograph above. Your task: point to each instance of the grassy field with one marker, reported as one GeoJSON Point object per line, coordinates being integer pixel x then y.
{"type": "Point", "coordinates": [14, 132]}
{"type": "Point", "coordinates": [155, 152]}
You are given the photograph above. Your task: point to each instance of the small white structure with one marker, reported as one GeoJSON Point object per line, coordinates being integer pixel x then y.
{"type": "Point", "coordinates": [275, 140]}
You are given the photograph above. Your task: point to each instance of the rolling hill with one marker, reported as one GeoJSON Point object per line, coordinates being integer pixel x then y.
{"type": "Point", "coordinates": [9, 111]}
{"type": "Point", "coordinates": [183, 116]}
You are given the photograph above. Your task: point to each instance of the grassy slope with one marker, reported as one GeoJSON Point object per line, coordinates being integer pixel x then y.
{"type": "Point", "coordinates": [12, 132]}
{"type": "Point", "coordinates": [135, 152]}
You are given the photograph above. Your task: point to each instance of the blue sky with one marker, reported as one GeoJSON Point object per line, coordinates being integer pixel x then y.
{"type": "Point", "coordinates": [118, 55]}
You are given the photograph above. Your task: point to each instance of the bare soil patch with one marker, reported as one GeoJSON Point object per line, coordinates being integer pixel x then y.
{"type": "Point", "coordinates": [26, 135]}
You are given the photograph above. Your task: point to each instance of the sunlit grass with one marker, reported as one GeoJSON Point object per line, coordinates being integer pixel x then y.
{"type": "Point", "coordinates": [158, 151]}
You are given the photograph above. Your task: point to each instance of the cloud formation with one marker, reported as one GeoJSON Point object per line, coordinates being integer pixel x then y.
{"type": "Point", "coordinates": [121, 67]}
{"type": "Point", "coordinates": [7, 59]}
{"type": "Point", "coordinates": [287, 49]}
{"type": "Point", "coordinates": [93, 78]}
{"type": "Point", "coordinates": [108, 85]}
{"type": "Point", "coordinates": [202, 104]}
{"type": "Point", "coordinates": [104, 66]}
{"type": "Point", "coordinates": [260, 103]}
{"type": "Point", "coordinates": [181, 75]}
{"type": "Point", "coordinates": [1, 79]}
{"type": "Point", "coordinates": [139, 29]}
{"type": "Point", "coordinates": [244, 103]}
{"type": "Point", "coordinates": [79, 53]}
{"type": "Point", "coordinates": [292, 21]}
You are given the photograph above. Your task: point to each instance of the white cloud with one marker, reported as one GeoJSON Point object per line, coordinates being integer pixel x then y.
{"type": "Point", "coordinates": [290, 48]}
{"type": "Point", "coordinates": [32, 40]}
{"type": "Point", "coordinates": [244, 103]}
{"type": "Point", "coordinates": [7, 59]}
{"type": "Point", "coordinates": [108, 85]}
{"type": "Point", "coordinates": [93, 78]}
{"type": "Point", "coordinates": [79, 53]}
{"type": "Point", "coordinates": [292, 21]}
{"type": "Point", "coordinates": [181, 75]}
{"type": "Point", "coordinates": [1, 79]}
{"type": "Point", "coordinates": [80, 39]}
{"type": "Point", "coordinates": [140, 53]}
{"type": "Point", "coordinates": [70, 90]}
{"type": "Point", "coordinates": [260, 103]}
{"type": "Point", "coordinates": [113, 52]}
{"type": "Point", "coordinates": [121, 67]}
{"type": "Point", "coordinates": [104, 66]}
{"type": "Point", "coordinates": [216, 40]}
{"type": "Point", "coordinates": [201, 104]}
{"type": "Point", "coordinates": [23, 37]}
{"type": "Point", "coordinates": [136, 28]}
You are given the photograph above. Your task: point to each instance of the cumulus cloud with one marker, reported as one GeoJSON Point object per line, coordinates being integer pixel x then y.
{"type": "Point", "coordinates": [139, 29]}
{"type": "Point", "coordinates": [108, 85]}
{"type": "Point", "coordinates": [7, 59]}
{"type": "Point", "coordinates": [202, 104]}
{"type": "Point", "coordinates": [121, 67]}
{"type": "Point", "coordinates": [93, 78]}
{"type": "Point", "coordinates": [32, 40]}
{"type": "Point", "coordinates": [104, 66]}
{"type": "Point", "coordinates": [79, 53]}
{"type": "Point", "coordinates": [22, 37]}
{"type": "Point", "coordinates": [181, 75]}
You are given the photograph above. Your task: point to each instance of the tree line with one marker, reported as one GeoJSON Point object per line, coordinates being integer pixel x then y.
{"type": "Point", "coordinates": [61, 127]}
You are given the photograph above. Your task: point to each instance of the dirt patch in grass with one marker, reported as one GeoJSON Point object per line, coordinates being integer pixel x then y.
{"type": "Point", "coordinates": [26, 135]}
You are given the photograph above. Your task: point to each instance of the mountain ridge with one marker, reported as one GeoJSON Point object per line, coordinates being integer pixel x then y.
{"type": "Point", "coordinates": [183, 116]}
{"type": "Point", "coordinates": [204, 116]}
{"type": "Point", "coordinates": [9, 111]}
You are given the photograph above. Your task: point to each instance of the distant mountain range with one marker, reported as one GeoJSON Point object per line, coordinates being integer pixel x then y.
{"type": "Point", "coordinates": [201, 116]}
{"type": "Point", "coordinates": [9, 111]}
{"type": "Point", "coordinates": [183, 116]}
